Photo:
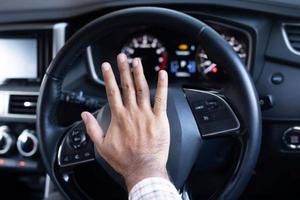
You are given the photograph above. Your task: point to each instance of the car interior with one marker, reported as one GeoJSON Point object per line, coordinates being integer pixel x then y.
{"type": "Point", "coordinates": [233, 98]}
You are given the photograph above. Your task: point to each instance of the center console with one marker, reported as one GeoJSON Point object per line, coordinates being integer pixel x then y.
{"type": "Point", "coordinates": [25, 53]}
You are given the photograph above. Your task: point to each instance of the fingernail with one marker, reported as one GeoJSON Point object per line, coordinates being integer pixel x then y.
{"type": "Point", "coordinates": [163, 74]}
{"type": "Point", "coordinates": [135, 62]}
{"type": "Point", "coordinates": [84, 116]}
{"type": "Point", "coordinates": [122, 57]}
{"type": "Point", "coordinates": [105, 66]}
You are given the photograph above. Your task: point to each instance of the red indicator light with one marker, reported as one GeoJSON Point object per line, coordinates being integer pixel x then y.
{"type": "Point", "coordinates": [214, 70]}
{"type": "Point", "coordinates": [163, 64]}
{"type": "Point", "coordinates": [2, 161]}
{"type": "Point", "coordinates": [22, 163]}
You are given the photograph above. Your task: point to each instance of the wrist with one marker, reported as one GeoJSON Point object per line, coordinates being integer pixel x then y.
{"type": "Point", "coordinates": [143, 173]}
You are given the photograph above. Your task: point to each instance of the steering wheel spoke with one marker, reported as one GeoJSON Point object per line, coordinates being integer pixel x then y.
{"type": "Point", "coordinates": [76, 147]}
{"type": "Point", "coordinates": [214, 116]}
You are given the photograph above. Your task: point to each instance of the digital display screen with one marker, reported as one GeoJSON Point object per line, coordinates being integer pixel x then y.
{"type": "Point", "coordinates": [184, 64]}
{"type": "Point", "coordinates": [18, 58]}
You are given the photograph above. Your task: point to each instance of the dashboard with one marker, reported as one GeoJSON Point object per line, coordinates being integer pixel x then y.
{"type": "Point", "coordinates": [266, 38]}
{"type": "Point", "coordinates": [159, 49]}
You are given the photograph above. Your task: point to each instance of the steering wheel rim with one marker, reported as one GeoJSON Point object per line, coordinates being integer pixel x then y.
{"type": "Point", "coordinates": [242, 88]}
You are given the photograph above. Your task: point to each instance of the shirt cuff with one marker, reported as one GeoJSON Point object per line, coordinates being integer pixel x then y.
{"type": "Point", "coordinates": [154, 188]}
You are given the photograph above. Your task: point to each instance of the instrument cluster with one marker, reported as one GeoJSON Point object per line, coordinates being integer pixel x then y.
{"type": "Point", "coordinates": [181, 57]}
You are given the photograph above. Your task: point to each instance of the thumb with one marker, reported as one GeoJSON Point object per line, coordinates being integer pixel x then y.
{"type": "Point", "coordinates": [93, 128]}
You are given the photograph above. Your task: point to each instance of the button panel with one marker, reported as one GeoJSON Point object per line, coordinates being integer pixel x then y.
{"type": "Point", "coordinates": [76, 148]}
{"type": "Point", "coordinates": [212, 113]}
{"type": "Point", "coordinates": [14, 158]}
{"type": "Point", "coordinates": [77, 139]}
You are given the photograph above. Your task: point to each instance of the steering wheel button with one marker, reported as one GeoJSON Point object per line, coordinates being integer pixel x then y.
{"type": "Point", "coordinates": [78, 146]}
{"type": "Point", "coordinates": [78, 139]}
{"type": "Point", "coordinates": [87, 155]}
{"type": "Point", "coordinates": [66, 159]}
{"type": "Point", "coordinates": [212, 104]}
{"type": "Point", "coordinates": [77, 157]}
{"type": "Point", "coordinates": [75, 132]}
{"type": "Point", "coordinates": [200, 107]}
{"type": "Point", "coordinates": [205, 118]}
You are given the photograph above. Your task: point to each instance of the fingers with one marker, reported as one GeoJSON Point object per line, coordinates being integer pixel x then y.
{"type": "Point", "coordinates": [93, 128]}
{"type": "Point", "coordinates": [134, 91]}
{"type": "Point", "coordinates": [160, 102]}
{"type": "Point", "coordinates": [141, 85]}
{"type": "Point", "coordinates": [112, 89]}
{"type": "Point", "coordinates": [126, 80]}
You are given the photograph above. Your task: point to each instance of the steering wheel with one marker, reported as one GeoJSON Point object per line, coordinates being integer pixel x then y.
{"type": "Point", "coordinates": [194, 115]}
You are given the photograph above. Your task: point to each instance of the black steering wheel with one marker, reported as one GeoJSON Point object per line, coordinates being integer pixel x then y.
{"type": "Point", "coordinates": [194, 115]}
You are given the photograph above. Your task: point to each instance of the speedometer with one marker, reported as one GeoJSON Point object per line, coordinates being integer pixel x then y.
{"type": "Point", "coordinates": [211, 70]}
{"type": "Point", "coordinates": [151, 51]}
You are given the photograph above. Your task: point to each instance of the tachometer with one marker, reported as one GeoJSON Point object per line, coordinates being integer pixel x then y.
{"type": "Point", "coordinates": [211, 70]}
{"type": "Point", "coordinates": [152, 53]}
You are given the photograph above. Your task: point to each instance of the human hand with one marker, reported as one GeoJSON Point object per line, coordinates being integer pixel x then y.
{"type": "Point", "coordinates": [137, 141]}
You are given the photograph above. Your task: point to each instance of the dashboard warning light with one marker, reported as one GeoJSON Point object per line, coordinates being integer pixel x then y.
{"type": "Point", "coordinates": [2, 161]}
{"type": "Point", "coordinates": [22, 163]}
{"type": "Point", "coordinates": [214, 70]}
{"type": "Point", "coordinates": [183, 46]}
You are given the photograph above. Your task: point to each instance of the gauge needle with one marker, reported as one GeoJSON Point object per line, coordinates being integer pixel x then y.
{"type": "Point", "coordinates": [207, 70]}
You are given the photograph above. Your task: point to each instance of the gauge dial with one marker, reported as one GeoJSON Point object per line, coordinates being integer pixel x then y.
{"type": "Point", "coordinates": [211, 70]}
{"type": "Point", "coordinates": [152, 53]}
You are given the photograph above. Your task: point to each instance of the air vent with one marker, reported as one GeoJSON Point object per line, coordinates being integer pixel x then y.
{"type": "Point", "coordinates": [22, 104]}
{"type": "Point", "coordinates": [293, 36]}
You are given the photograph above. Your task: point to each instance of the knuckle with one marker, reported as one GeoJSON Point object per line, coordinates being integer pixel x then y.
{"type": "Point", "coordinates": [111, 92]}
{"type": "Point", "coordinates": [158, 100]}
{"type": "Point", "coordinates": [124, 115]}
{"type": "Point", "coordinates": [131, 112]}
{"type": "Point", "coordinates": [126, 87]}
{"type": "Point", "coordinates": [161, 105]}
{"type": "Point", "coordinates": [140, 91]}
{"type": "Point", "coordinates": [118, 113]}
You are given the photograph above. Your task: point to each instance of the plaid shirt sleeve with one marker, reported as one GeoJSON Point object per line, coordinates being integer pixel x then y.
{"type": "Point", "coordinates": [154, 188]}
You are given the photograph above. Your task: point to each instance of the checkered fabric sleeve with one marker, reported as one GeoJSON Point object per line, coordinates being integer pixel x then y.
{"type": "Point", "coordinates": [154, 188]}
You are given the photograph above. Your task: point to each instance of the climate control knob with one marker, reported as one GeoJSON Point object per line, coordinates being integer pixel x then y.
{"type": "Point", "coordinates": [27, 143]}
{"type": "Point", "coordinates": [6, 140]}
